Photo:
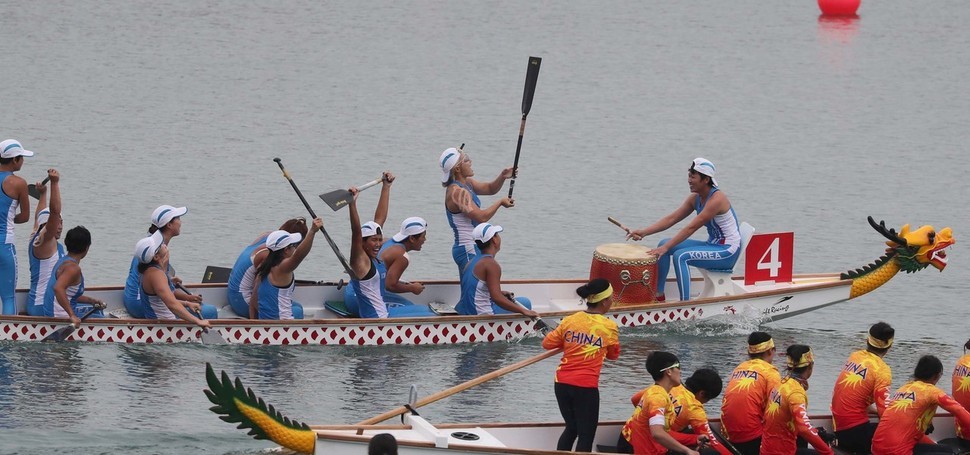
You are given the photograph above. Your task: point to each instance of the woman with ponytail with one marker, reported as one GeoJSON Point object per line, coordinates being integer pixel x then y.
{"type": "Point", "coordinates": [786, 415]}
{"type": "Point", "coordinates": [587, 338]}
{"type": "Point", "coordinates": [275, 282]}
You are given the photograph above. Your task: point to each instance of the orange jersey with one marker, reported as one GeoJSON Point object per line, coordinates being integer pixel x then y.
{"type": "Point", "coordinates": [689, 412]}
{"type": "Point", "coordinates": [786, 418]}
{"type": "Point", "coordinates": [961, 390]}
{"type": "Point", "coordinates": [909, 412]}
{"type": "Point", "coordinates": [865, 379]}
{"type": "Point", "coordinates": [653, 408]}
{"type": "Point", "coordinates": [744, 401]}
{"type": "Point", "coordinates": [586, 340]}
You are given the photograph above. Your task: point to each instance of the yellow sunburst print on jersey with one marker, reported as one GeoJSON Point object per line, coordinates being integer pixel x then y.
{"type": "Point", "coordinates": [852, 380]}
{"type": "Point", "coordinates": [964, 384]}
{"type": "Point", "coordinates": [902, 404]}
{"type": "Point", "coordinates": [744, 383]}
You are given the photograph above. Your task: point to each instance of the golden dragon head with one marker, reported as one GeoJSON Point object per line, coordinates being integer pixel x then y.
{"type": "Point", "coordinates": [916, 249]}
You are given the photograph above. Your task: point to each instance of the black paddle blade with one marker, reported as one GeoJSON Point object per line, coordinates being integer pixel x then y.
{"type": "Point", "coordinates": [33, 191]}
{"type": "Point", "coordinates": [531, 77]}
{"type": "Point", "coordinates": [215, 274]}
{"type": "Point", "coordinates": [337, 199]}
{"type": "Point", "coordinates": [60, 334]}
{"type": "Point", "coordinates": [542, 326]}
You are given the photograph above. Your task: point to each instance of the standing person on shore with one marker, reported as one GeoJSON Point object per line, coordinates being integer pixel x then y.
{"type": "Point", "coordinates": [864, 381]}
{"type": "Point", "coordinates": [714, 211]}
{"type": "Point", "coordinates": [910, 410]}
{"type": "Point", "coordinates": [462, 205]}
{"type": "Point", "coordinates": [394, 255]}
{"type": "Point", "coordinates": [647, 430]}
{"type": "Point", "coordinates": [275, 281]}
{"type": "Point", "coordinates": [65, 289]}
{"type": "Point", "coordinates": [44, 251]}
{"type": "Point", "coordinates": [742, 409]}
{"type": "Point", "coordinates": [14, 209]}
{"type": "Point", "coordinates": [961, 392]}
{"type": "Point", "coordinates": [239, 289]}
{"type": "Point", "coordinates": [587, 339]}
{"type": "Point", "coordinates": [786, 414]}
{"type": "Point", "coordinates": [481, 283]}
{"type": "Point", "coordinates": [155, 286]}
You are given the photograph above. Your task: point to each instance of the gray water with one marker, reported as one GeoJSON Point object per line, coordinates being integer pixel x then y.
{"type": "Point", "coordinates": [813, 125]}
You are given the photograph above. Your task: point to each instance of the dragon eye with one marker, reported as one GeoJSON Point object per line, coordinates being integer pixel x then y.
{"type": "Point", "coordinates": [932, 236]}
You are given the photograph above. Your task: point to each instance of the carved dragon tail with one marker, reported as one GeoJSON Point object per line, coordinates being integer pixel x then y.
{"type": "Point", "coordinates": [237, 404]}
{"type": "Point", "coordinates": [870, 277]}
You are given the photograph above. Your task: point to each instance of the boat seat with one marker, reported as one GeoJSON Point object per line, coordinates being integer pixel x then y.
{"type": "Point", "coordinates": [442, 308]}
{"type": "Point", "coordinates": [717, 282]}
{"type": "Point", "coordinates": [340, 309]}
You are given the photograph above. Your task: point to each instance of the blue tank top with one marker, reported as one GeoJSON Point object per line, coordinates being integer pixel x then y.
{"type": "Point", "coordinates": [152, 305]}
{"type": "Point", "coordinates": [51, 307]}
{"type": "Point", "coordinates": [475, 298]}
{"type": "Point", "coordinates": [388, 244]}
{"type": "Point", "coordinates": [40, 273]}
{"type": "Point", "coordinates": [133, 291]}
{"type": "Point", "coordinates": [460, 223]}
{"type": "Point", "coordinates": [723, 229]}
{"type": "Point", "coordinates": [370, 292]}
{"type": "Point", "coordinates": [8, 210]}
{"type": "Point", "coordinates": [274, 302]}
{"type": "Point", "coordinates": [243, 263]}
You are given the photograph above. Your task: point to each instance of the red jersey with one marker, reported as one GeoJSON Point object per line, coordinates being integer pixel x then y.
{"type": "Point", "coordinates": [961, 391]}
{"type": "Point", "coordinates": [688, 411]}
{"type": "Point", "coordinates": [865, 379]}
{"type": "Point", "coordinates": [908, 413]}
{"type": "Point", "coordinates": [653, 408]}
{"type": "Point", "coordinates": [586, 340]}
{"type": "Point", "coordinates": [744, 401]}
{"type": "Point", "coordinates": [786, 418]}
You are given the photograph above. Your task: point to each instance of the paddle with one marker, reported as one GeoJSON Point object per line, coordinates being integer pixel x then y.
{"type": "Point", "coordinates": [32, 188]}
{"type": "Point", "coordinates": [215, 274]}
{"type": "Point", "coordinates": [64, 332]}
{"type": "Point", "coordinates": [542, 326]}
{"type": "Point", "coordinates": [724, 441]}
{"type": "Point", "coordinates": [459, 388]}
{"type": "Point", "coordinates": [338, 199]}
{"type": "Point", "coordinates": [207, 336]}
{"type": "Point", "coordinates": [333, 246]}
{"type": "Point", "coordinates": [531, 77]}
{"type": "Point", "coordinates": [618, 224]}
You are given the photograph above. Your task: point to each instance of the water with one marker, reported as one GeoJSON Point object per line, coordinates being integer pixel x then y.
{"type": "Point", "coordinates": [813, 125]}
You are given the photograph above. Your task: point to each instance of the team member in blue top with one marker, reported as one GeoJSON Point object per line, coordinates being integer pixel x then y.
{"type": "Point", "coordinates": [44, 250]}
{"type": "Point", "coordinates": [275, 281]}
{"type": "Point", "coordinates": [156, 286]}
{"type": "Point", "coordinates": [167, 221]}
{"type": "Point", "coordinates": [243, 275]}
{"type": "Point", "coordinates": [462, 205]}
{"type": "Point", "coordinates": [394, 255]}
{"type": "Point", "coordinates": [481, 284]}
{"type": "Point", "coordinates": [366, 296]}
{"type": "Point", "coordinates": [722, 248]}
{"type": "Point", "coordinates": [66, 286]}
{"type": "Point", "coordinates": [13, 196]}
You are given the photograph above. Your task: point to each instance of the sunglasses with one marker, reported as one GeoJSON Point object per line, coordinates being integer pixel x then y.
{"type": "Point", "coordinates": [676, 365]}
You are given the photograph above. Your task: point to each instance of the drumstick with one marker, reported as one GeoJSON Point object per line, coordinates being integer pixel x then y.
{"type": "Point", "coordinates": [618, 224]}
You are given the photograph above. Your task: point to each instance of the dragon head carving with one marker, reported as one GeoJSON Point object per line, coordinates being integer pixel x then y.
{"type": "Point", "coordinates": [915, 249]}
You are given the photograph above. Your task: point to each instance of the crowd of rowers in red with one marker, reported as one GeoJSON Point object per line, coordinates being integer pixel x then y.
{"type": "Point", "coordinates": [762, 412]}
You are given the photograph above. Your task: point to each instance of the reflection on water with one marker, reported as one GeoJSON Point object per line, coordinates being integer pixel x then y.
{"type": "Point", "coordinates": [48, 373]}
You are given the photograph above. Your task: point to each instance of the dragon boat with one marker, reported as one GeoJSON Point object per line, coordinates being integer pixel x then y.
{"type": "Point", "coordinates": [234, 403]}
{"type": "Point", "coordinates": [723, 296]}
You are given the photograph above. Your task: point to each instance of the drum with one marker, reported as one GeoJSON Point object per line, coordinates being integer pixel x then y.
{"type": "Point", "coordinates": [629, 268]}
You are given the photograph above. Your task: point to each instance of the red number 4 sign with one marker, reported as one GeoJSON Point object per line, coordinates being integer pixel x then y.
{"type": "Point", "coordinates": [768, 258]}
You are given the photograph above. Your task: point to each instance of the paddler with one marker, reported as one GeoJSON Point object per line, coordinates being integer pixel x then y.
{"type": "Point", "coordinates": [861, 389]}
{"type": "Point", "coordinates": [394, 255]}
{"type": "Point", "coordinates": [587, 339]}
{"type": "Point", "coordinates": [647, 431]}
{"type": "Point", "coordinates": [274, 280]}
{"type": "Point", "coordinates": [786, 414]}
{"type": "Point", "coordinates": [239, 289]}
{"type": "Point", "coordinates": [961, 392]}
{"type": "Point", "coordinates": [481, 284]}
{"type": "Point", "coordinates": [65, 289]}
{"type": "Point", "coordinates": [44, 250]}
{"type": "Point", "coordinates": [155, 285]}
{"type": "Point", "coordinates": [742, 409]}
{"type": "Point", "coordinates": [14, 209]}
{"type": "Point", "coordinates": [690, 425]}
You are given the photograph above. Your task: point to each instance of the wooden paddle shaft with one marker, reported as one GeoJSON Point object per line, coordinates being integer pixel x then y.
{"type": "Point", "coordinates": [461, 387]}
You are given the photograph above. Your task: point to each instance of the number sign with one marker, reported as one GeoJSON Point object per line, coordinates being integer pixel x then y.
{"type": "Point", "coordinates": [768, 258]}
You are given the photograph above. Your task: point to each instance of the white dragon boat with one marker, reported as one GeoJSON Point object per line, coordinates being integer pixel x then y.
{"type": "Point", "coordinates": [722, 296]}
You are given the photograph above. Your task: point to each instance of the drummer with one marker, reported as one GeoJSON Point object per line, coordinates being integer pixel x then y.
{"type": "Point", "coordinates": [481, 283]}
{"type": "Point", "coordinates": [462, 205]}
{"type": "Point", "coordinates": [714, 211]}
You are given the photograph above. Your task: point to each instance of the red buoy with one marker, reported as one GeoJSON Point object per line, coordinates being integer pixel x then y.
{"type": "Point", "coordinates": [839, 7]}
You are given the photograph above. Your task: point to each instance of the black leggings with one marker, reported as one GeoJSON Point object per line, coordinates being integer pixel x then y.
{"type": "Point", "coordinates": [580, 409]}
{"type": "Point", "coordinates": [857, 439]}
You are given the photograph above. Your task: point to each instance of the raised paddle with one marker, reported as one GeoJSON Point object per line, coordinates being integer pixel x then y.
{"type": "Point", "coordinates": [62, 333]}
{"type": "Point", "coordinates": [338, 199]}
{"type": "Point", "coordinates": [531, 77]}
{"type": "Point", "coordinates": [333, 246]}
{"type": "Point", "coordinates": [459, 388]}
{"type": "Point", "coordinates": [32, 188]}
{"type": "Point", "coordinates": [618, 224]}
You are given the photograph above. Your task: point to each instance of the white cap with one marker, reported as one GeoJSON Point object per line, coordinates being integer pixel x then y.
{"type": "Point", "coordinates": [43, 216]}
{"type": "Point", "coordinates": [449, 158]}
{"type": "Point", "coordinates": [11, 148]}
{"type": "Point", "coordinates": [166, 213]}
{"type": "Point", "coordinates": [146, 248]}
{"type": "Point", "coordinates": [411, 226]}
{"type": "Point", "coordinates": [277, 240]}
{"type": "Point", "coordinates": [370, 228]}
{"type": "Point", "coordinates": [704, 166]}
{"type": "Point", "coordinates": [485, 231]}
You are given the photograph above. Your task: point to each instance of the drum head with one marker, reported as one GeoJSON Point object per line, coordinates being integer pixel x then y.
{"type": "Point", "coordinates": [624, 252]}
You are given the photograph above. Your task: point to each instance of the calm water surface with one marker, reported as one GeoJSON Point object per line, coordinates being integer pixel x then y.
{"type": "Point", "coordinates": [813, 125]}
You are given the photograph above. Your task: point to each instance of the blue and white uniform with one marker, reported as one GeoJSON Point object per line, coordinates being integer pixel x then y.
{"type": "Point", "coordinates": [40, 274]}
{"type": "Point", "coordinates": [475, 298]}
{"type": "Point", "coordinates": [278, 303]}
{"type": "Point", "coordinates": [134, 292]}
{"type": "Point", "coordinates": [152, 305]}
{"type": "Point", "coordinates": [51, 307]}
{"type": "Point", "coordinates": [392, 299]}
{"type": "Point", "coordinates": [242, 278]}
{"type": "Point", "coordinates": [719, 252]}
{"type": "Point", "coordinates": [8, 252]}
{"type": "Point", "coordinates": [464, 249]}
{"type": "Point", "coordinates": [365, 297]}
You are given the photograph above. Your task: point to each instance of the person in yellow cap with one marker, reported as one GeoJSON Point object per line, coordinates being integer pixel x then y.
{"type": "Point", "coordinates": [861, 388]}
{"type": "Point", "coordinates": [587, 339]}
{"type": "Point", "coordinates": [786, 414]}
{"type": "Point", "coordinates": [747, 392]}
